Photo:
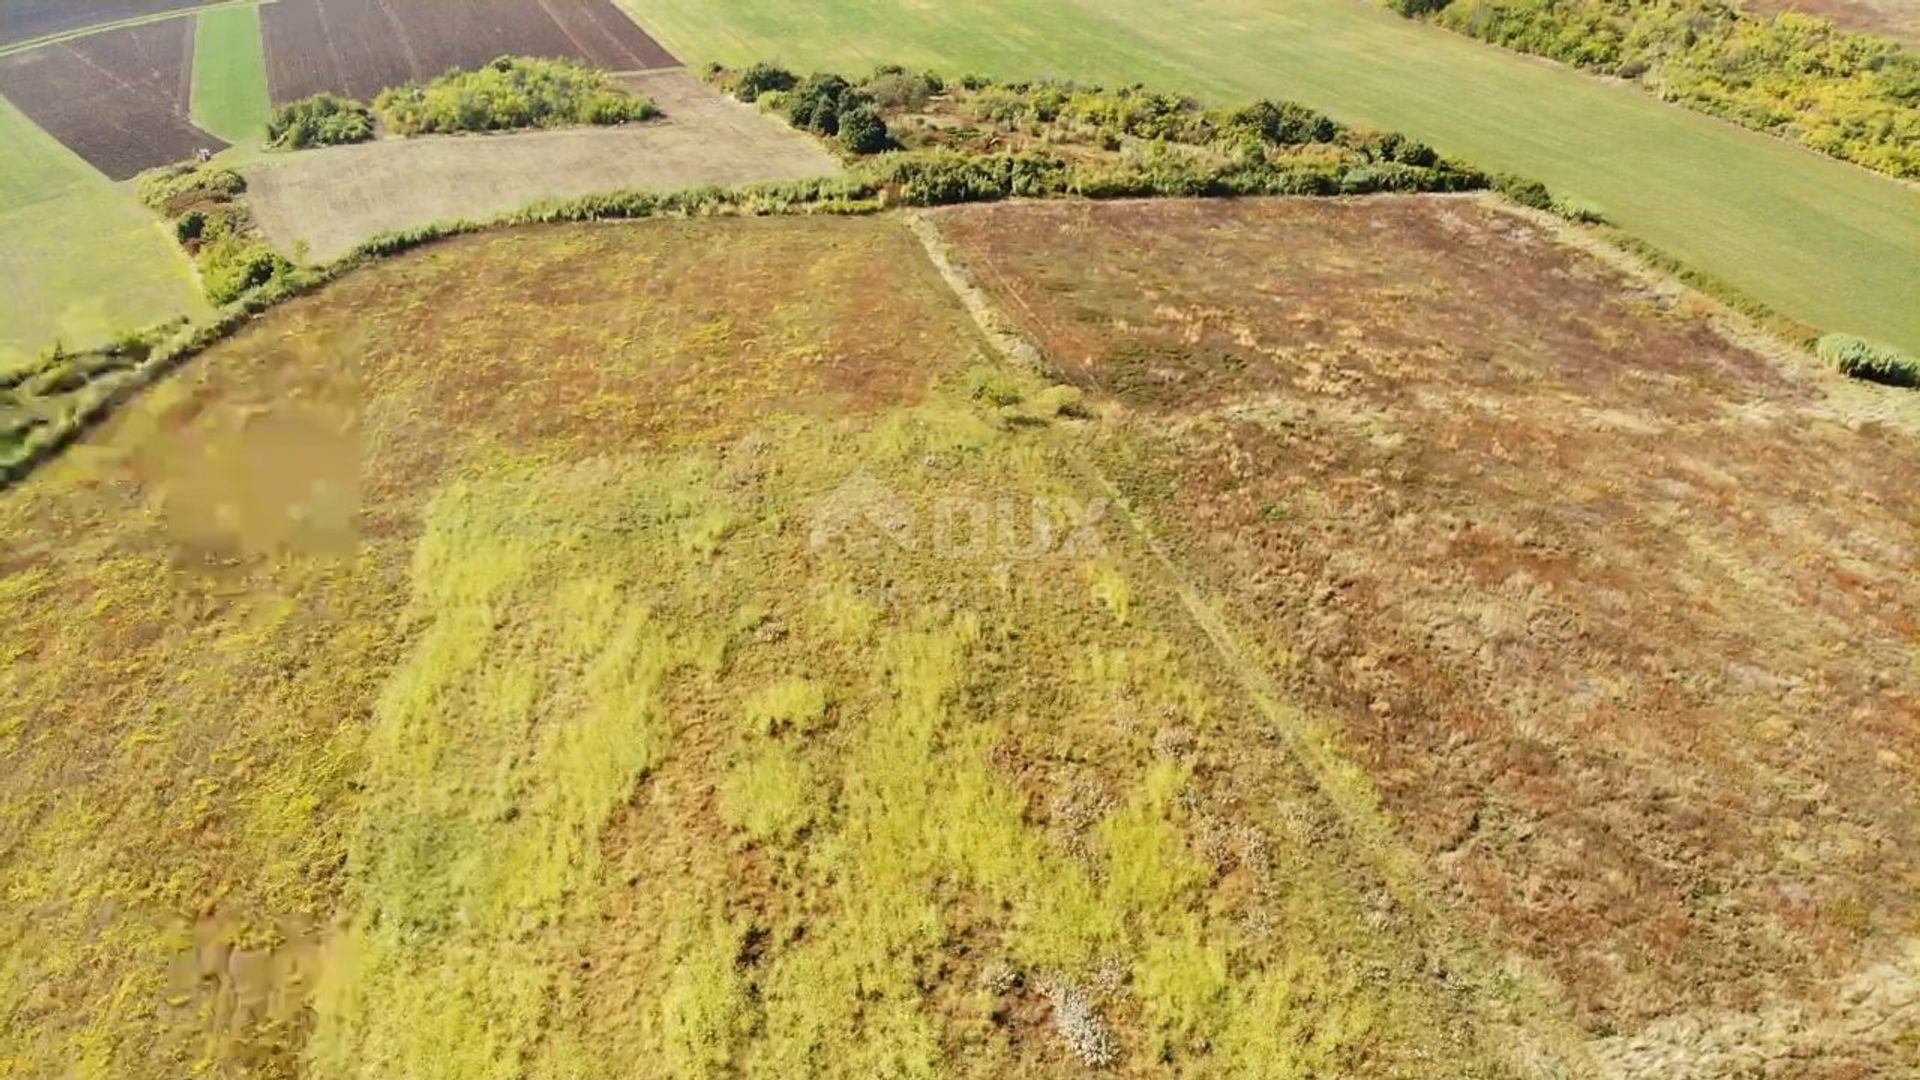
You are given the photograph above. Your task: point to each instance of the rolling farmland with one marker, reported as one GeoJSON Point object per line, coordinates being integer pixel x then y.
{"type": "Point", "coordinates": [1831, 245]}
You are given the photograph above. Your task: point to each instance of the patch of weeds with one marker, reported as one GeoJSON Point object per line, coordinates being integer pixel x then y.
{"type": "Point", "coordinates": [794, 704]}
{"type": "Point", "coordinates": [768, 795]}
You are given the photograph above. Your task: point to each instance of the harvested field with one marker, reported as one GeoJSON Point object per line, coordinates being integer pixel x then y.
{"type": "Point", "coordinates": [1618, 615]}
{"type": "Point", "coordinates": [508, 661]}
{"type": "Point", "coordinates": [119, 99]}
{"type": "Point", "coordinates": [320, 203]}
{"type": "Point", "coordinates": [360, 47]}
{"type": "Point", "coordinates": [30, 20]}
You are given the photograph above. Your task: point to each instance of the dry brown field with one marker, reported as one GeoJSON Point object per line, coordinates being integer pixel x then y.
{"type": "Point", "coordinates": [1618, 613]}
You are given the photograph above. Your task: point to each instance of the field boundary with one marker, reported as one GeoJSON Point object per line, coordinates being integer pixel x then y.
{"type": "Point", "coordinates": [124, 24]}
{"type": "Point", "coordinates": [1312, 743]}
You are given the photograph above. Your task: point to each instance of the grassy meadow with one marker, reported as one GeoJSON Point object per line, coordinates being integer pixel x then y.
{"type": "Point", "coordinates": [83, 260]}
{"type": "Point", "coordinates": [230, 74]}
{"type": "Point", "coordinates": [1822, 242]}
{"type": "Point", "coordinates": [677, 644]}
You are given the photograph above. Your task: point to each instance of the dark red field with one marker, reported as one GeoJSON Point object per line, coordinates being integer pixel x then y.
{"type": "Point", "coordinates": [118, 99]}
{"type": "Point", "coordinates": [360, 47]}
{"type": "Point", "coordinates": [25, 20]}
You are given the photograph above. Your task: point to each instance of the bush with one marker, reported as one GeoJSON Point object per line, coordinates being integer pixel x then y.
{"type": "Point", "coordinates": [234, 266]}
{"type": "Point", "coordinates": [830, 106]}
{"type": "Point", "coordinates": [171, 187]}
{"type": "Point", "coordinates": [761, 78]}
{"type": "Point", "coordinates": [862, 131]}
{"type": "Point", "coordinates": [511, 92]}
{"type": "Point", "coordinates": [902, 90]}
{"type": "Point", "coordinates": [1862, 359]}
{"type": "Point", "coordinates": [1523, 191]}
{"type": "Point", "coordinates": [320, 120]}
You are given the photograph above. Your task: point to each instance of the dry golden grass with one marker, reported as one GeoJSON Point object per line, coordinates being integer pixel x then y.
{"type": "Point", "coordinates": [528, 724]}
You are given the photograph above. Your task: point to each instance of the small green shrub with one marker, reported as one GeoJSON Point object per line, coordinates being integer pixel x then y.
{"type": "Point", "coordinates": [320, 120]}
{"type": "Point", "coordinates": [1859, 358]}
{"type": "Point", "coordinates": [862, 131]}
{"type": "Point", "coordinates": [761, 78]}
{"type": "Point", "coordinates": [1523, 191]}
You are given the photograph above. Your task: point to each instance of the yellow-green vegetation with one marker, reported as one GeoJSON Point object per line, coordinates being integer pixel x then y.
{"type": "Point", "coordinates": [1820, 242]}
{"type": "Point", "coordinates": [642, 645]}
{"type": "Point", "coordinates": [230, 73]}
{"type": "Point", "coordinates": [511, 92]}
{"type": "Point", "coordinates": [1855, 96]}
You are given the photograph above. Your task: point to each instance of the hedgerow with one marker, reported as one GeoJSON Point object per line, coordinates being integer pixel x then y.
{"type": "Point", "coordinates": [1862, 359]}
{"type": "Point", "coordinates": [1853, 96]}
{"type": "Point", "coordinates": [510, 92]}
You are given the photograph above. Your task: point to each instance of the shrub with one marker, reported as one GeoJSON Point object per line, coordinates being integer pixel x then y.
{"type": "Point", "coordinates": [899, 89]}
{"type": "Point", "coordinates": [320, 120]}
{"type": "Point", "coordinates": [862, 131]}
{"type": "Point", "coordinates": [511, 92]}
{"type": "Point", "coordinates": [761, 78]}
{"type": "Point", "coordinates": [815, 104]}
{"type": "Point", "coordinates": [234, 265]}
{"type": "Point", "coordinates": [1862, 359]}
{"type": "Point", "coordinates": [166, 188]}
{"type": "Point", "coordinates": [1523, 191]}
{"type": "Point", "coordinates": [1284, 123]}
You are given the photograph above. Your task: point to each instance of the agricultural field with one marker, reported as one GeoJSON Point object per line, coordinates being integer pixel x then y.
{"type": "Point", "coordinates": [547, 649]}
{"type": "Point", "coordinates": [360, 47]}
{"type": "Point", "coordinates": [230, 74]}
{"type": "Point", "coordinates": [31, 20]}
{"type": "Point", "coordinates": [1617, 613]}
{"type": "Point", "coordinates": [318, 204]}
{"type": "Point", "coordinates": [119, 99]}
{"type": "Point", "coordinates": [65, 231]}
{"type": "Point", "coordinates": [1821, 242]}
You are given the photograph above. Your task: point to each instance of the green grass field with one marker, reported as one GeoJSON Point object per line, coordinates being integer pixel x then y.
{"type": "Point", "coordinates": [1819, 241]}
{"type": "Point", "coordinates": [230, 74]}
{"type": "Point", "coordinates": [83, 260]}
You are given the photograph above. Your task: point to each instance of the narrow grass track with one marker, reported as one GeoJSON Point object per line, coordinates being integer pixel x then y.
{"type": "Point", "coordinates": [230, 74]}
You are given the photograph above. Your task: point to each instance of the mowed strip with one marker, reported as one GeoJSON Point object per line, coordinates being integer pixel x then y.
{"type": "Point", "coordinates": [230, 74]}
{"type": "Point", "coordinates": [360, 47]}
{"type": "Point", "coordinates": [118, 99]}
{"type": "Point", "coordinates": [318, 204]}
{"type": "Point", "coordinates": [1819, 240]}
